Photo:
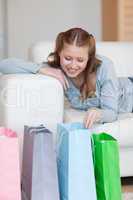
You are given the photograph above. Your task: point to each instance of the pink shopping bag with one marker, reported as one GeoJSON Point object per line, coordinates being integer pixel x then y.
{"type": "Point", "coordinates": [9, 165]}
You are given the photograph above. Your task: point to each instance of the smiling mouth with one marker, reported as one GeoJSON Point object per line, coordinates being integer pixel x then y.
{"type": "Point", "coordinates": [72, 71]}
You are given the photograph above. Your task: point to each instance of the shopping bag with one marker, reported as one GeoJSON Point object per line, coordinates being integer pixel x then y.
{"type": "Point", "coordinates": [39, 167]}
{"type": "Point", "coordinates": [9, 165]}
{"type": "Point", "coordinates": [107, 171]}
{"type": "Point", "coordinates": [75, 162]}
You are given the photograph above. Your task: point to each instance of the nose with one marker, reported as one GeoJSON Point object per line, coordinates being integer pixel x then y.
{"type": "Point", "coordinates": [74, 64]}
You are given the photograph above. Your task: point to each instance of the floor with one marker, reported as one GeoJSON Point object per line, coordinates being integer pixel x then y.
{"type": "Point", "coordinates": [127, 184]}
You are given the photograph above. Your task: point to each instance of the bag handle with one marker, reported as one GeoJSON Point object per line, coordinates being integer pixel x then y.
{"type": "Point", "coordinates": [93, 149]}
{"type": "Point", "coordinates": [38, 130]}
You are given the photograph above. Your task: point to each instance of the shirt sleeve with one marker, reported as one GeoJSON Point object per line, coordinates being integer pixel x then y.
{"type": "Point", "coordinates": [108, 92]}
{"type": "Point", "coordinates": [18, 66]}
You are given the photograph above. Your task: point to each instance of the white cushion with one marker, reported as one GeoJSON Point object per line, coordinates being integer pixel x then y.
{"type": "Point", "coordinates": [121, 55]}
{"type": "Point", "coordinates": [40, 51]}
{"type": "Point", "coordinates": [126, 158]}
{"type": "Point", "coordinates": [29, 98]}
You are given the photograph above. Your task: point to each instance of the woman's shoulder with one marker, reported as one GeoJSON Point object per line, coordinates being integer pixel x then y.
{"type": "Point", "coordinates": [106, 69]}
{"type": "Point", "coordinates": [105, 62]}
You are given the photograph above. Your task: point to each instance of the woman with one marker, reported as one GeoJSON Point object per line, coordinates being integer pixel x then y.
{"type": "Point", "coordinates": [89, 80]}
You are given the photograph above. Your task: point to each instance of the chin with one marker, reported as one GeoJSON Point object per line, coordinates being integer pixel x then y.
{"type": "Point", "coordinates": [72, 75]}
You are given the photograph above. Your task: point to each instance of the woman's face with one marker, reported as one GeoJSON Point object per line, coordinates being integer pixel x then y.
{"type": "Point", "coordinates": [73, 59]}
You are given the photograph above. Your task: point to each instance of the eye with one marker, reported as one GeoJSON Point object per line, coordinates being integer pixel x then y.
{"type": "Point", "coordinates": [68, 58]}
{"type": "Point", "coordinates": [80, 60]}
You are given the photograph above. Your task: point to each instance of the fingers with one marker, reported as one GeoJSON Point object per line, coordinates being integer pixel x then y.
{"type": "Point", "coordinates": [90, 119]}
{"type": "Point", "coordinates": [64, 81]}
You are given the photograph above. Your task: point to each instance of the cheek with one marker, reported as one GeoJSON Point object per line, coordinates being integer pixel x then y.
{"type": "Point", "coordinates": [65, 62]}
{"type": "Point", "coordinates": [82, 66]}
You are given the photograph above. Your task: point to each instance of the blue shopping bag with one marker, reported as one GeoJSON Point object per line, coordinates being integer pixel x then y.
{"type": "Point", "coordinates": [75, 163]}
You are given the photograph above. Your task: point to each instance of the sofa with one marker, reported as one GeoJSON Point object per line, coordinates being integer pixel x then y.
{"type": "Point", "coordinates": [38, 99]}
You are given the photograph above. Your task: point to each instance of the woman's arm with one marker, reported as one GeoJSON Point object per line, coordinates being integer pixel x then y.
{"type": "Point", "coordinates": [109, 101]}
{"type": "Point", "coordinates": [109, 93]}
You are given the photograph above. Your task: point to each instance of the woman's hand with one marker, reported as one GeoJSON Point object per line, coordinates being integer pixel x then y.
{"type": "Point", "coordinates": [93, 115]}
{"type": "Point", "coordinates": [56, 73]}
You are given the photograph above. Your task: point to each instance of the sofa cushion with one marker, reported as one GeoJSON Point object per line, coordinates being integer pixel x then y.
{"type": "Point", "coordinates": [117, 52]}
{"type": "Point", "coordinates": [122, 129]}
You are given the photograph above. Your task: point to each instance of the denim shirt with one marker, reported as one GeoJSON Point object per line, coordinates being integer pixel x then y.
{"type": "Point", "coordinates": [113, 95]}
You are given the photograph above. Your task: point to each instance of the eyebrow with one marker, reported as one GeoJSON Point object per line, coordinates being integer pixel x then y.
{"type": "Point", "coordinates": [71, 56]}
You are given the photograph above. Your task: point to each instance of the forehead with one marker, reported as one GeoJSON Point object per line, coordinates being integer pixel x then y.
{"type": "Point", "coordinates": [75, 50]}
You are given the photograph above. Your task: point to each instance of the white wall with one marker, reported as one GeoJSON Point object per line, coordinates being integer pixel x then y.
{"type": "Point", "coordinates": [30, 21]}
{"type": "Point", "coordinates": [1, 29]}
